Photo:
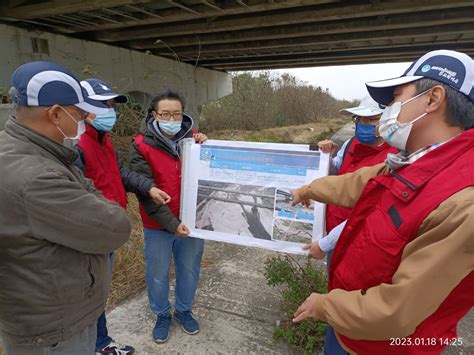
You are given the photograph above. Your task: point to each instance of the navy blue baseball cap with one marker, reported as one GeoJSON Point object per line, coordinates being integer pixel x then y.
{"type": "Point", "coordinates": [46, 84]}
{"type": "Point", "coordinates": [452, 68]}
{"type": "Point", "coordinates": [99, 90]}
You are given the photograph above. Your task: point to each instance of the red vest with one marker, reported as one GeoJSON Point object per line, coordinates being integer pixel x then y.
{"type": "Point", "coordinates": [385, 219]}
{"type": "Point", "coordinates": [102, 166]}
{"type": "Point", "coordinates": [167, 175]}
{"type": "Point", "coordinates": [358, 155]}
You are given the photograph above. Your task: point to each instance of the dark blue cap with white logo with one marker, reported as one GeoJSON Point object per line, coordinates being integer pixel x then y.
{"type": "Point", "coordinates": [452, 68]}
{"type": "Point", "coordinates": [100, 90]}
{"type": "Point", "coordinates": [46, 84]}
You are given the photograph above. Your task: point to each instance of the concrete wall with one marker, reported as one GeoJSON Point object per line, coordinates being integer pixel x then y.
{"type": "Point", "coordinates": [128, 71]}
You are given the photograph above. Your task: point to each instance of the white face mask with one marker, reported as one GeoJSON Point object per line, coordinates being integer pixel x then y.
{"type": "Point", "coordinates": [393, 132]}
{"type": "Point", "coordinates": [70, 142]}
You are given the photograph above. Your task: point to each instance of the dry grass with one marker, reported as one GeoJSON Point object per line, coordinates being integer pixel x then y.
{"type": "Point", "coordinates": [129, 267]}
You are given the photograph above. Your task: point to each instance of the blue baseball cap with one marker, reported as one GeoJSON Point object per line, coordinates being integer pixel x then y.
{"type": "Point", "coordinates": [43, 83]}
{"type": "Point", "coordinates": [452, 68]}
{"type": "Point", "coordinates": [100, 90]}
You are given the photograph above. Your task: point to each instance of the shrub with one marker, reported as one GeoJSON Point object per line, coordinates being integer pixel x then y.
{"type": "Point", "coordinates": [263, 100]}
{"type": "Point", "coordinates": [298, 283]}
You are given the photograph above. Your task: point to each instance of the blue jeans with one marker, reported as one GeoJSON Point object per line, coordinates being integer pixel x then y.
{"type": "Point", "coordinates": [103, 338]}
{"type": "Point", "coordinates": [331, 344]}
{"type": "Point", "coordinates": [328, 260]}
{"type": "Point", "coordinates": [187, 254]}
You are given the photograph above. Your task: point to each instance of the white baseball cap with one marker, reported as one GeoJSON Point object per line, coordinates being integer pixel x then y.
{"type": "Point", "coordinates": [367, 107]}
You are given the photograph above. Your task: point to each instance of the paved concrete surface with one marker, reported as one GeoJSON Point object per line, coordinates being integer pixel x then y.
{"type": "Point", "coordinates": [236, 309]}
{"type": "Point", "coordinates": [465, 335]}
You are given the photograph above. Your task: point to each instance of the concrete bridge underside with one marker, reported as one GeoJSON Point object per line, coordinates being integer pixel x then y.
{"type": "Point", "coordinates": [257, 34]}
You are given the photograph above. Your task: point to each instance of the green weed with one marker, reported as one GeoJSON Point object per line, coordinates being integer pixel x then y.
{"type": "Point", "coordinates": [297, 282]}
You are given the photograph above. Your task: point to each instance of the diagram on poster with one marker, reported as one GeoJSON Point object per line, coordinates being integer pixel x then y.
{"type": "Point", "coordinates": [240, 192]}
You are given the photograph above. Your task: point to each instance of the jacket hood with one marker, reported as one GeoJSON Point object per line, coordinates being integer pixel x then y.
{"type": "Point", "coordinates": [157, 140]}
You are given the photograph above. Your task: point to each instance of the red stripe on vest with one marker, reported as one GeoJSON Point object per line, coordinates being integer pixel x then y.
{"type": "Point", "coordinates": [102, 166]}
{"type": "Point", "coordinates": [369, 250]}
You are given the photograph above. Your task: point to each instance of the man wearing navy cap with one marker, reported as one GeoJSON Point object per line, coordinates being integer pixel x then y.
{"type": "Point", "coordinates": [99, 162]}
{"type": "Point", "coordinates": [57, 229]}
{"type": "Point", "coordinates": [401, 276]}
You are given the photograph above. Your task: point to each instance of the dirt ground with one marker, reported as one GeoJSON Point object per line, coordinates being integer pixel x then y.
{"type": "Point", "coordinates": [310, 133]}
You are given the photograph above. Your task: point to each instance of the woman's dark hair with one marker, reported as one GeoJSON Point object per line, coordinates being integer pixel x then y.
{"type": "Point", "coordinates": [167, 95]}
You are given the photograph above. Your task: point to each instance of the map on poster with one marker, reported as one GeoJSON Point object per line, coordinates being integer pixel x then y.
{"type": "Point", "coordinates": [240, 192]}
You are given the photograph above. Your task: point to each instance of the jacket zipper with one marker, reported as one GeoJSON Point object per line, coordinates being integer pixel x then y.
{"type": "Point", "coordinates": [403, 180]}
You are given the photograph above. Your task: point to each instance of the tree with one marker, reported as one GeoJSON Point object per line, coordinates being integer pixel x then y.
{"type": "Point", "coordinates": [264, 100]}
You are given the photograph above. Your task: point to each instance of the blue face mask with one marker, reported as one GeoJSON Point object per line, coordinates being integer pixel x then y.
{"type": "Point", "coordinates": [365, 133]}
{"type": "Point", "coordinates": [106, 121]}
{"type": "Point", "coordinates": [170, 127]}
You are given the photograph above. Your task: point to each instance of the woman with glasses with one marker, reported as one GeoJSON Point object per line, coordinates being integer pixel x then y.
{"type": "Point", "coordinates": [155, 154]}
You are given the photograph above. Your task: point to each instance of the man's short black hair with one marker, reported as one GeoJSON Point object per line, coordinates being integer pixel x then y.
{"type": "Point", "coordinates": [166, 95]}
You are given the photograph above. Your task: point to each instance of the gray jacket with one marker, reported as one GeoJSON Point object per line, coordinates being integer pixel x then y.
{"type": "Point", "coordinates": [56, 234]}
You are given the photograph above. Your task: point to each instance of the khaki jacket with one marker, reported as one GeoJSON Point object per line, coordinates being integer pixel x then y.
{"type": "Point", "coordinates": [432, 265]}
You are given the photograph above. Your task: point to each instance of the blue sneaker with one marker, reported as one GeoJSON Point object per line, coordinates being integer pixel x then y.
{"type": "Point", "coordinates": [162, 328]}
{"type": "Point", "coordinates": [188, 323]}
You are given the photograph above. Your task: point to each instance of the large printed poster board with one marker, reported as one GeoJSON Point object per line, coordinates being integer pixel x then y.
{"type": "Point", "coordinates": [240, 192]}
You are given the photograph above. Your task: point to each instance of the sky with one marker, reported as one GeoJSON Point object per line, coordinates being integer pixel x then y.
{"type": "Point", "coordinates": [347, 81]}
